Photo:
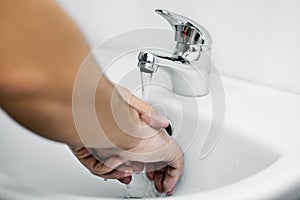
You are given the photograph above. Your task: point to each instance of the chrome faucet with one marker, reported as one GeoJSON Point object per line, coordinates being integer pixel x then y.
{"type": "Point", "coordinates": [189, 64]}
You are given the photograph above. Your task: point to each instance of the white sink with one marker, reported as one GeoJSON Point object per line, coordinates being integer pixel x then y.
{"type": "Point", "coordinates": [257, 156]}
{"type": "Point", "coordinates": [37, 163]}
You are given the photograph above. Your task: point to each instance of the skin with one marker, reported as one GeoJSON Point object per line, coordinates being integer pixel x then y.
{"type": "Point", "coordinates": [40, 53]}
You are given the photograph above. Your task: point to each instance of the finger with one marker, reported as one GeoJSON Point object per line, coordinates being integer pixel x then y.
{"type": "Point", "coordinates": [119, 173]}
{"type": "Point", "coordinates": [108, 165]}
{"type": "Point", "coordinates": [126, 180]}
{"type": "Point", "coordinates": [150, 175]}
{"type": "Point", "coordinates": [148, 113]}
{"type": "Point", "coordinates": [98, 168]}
{"type": "Point", "coordinates": [171, 191]}
{"type": "Point", "coordinates": [155, 120]}
{"type": "Point", "coordinates": [81, 153]}
{"type": "Point", "coordinates": [139, 105]}
{"type": "Point", "coordinates": [150, 169]}
{"type": "Point", "coordinates": [172, 175]}
{"type": "Point", "coordinates": [158, 181]}
{"type": "Point", "coordinates": [137, 167]}
{"type": "Point", "coordinates": [169, 183]}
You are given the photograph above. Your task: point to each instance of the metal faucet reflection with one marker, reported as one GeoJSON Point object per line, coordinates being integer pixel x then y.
{"type": "Point", "coordinates": [189, 64]}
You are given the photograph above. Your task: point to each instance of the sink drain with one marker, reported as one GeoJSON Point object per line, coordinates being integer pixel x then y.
{"type": "Point", "coordinates": [169, 128]}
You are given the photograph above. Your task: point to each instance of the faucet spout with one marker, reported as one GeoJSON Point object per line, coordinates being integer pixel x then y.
{"type": "Point", "coordinates": [187, 79]}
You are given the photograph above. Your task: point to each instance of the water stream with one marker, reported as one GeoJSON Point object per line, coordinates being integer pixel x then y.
{"type": "Point", "coordinates": [140, 186]}
{"type": "Point", "coordinates": [146, 79]}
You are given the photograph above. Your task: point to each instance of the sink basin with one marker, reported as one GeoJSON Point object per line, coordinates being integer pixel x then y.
{"type": "Point", "coordinates": [256, 156]}
{"type": "Point", "coordinates": [34, 162]}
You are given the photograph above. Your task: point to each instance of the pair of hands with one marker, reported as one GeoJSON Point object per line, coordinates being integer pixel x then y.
{"type": "Point", "coordinates": [36, 87]}
{"type": "Point", "coordinates": [158, 153]}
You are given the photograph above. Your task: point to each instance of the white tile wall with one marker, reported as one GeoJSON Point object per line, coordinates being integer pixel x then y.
{"type": "Point", "coordinates": [256, 40]}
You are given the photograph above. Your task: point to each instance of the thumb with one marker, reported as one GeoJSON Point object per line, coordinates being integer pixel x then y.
{"type": "Point", "coordinates": [155, 120]}
{"type": "Point", "coordinates": [148, 113]}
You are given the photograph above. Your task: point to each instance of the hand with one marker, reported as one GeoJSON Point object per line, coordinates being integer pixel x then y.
{"type": "Point", "coordinates": [163, 157]}
{"type": "Point", "coordinates": [165, 173]}
{"type": "Point", "coordinates": [116, 167]}
{"type": "Point", "coordinates": [37, 91]}
{"type": "Point", "coordinates": [113, 167]}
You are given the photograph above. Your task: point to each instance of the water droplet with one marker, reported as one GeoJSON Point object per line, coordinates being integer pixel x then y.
{"type": "Point", "coordinates": [162, 195]}
{"type": "Point", "coordinates": [140, 187]}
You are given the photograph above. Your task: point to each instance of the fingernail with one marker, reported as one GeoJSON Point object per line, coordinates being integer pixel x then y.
{"type": "Point", "coordinates": [166, 123]}
{"type": "Point", "coordinates": [169, 194]}
{"type": "Point", "coordinates": [164, 120]}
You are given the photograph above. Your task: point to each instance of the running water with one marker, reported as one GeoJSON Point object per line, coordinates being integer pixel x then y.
{"type": "Point", "coordinates": [146, 79]}
{"type": "Point", "coordinates": [140, 187]}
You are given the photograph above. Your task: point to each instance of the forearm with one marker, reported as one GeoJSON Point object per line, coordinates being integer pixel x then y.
{"type": "Point", "coordinates": [41, 50]}
{"type": "Point", "coordinates": [38, 65]}
{"type": "Point", "coordinates": [40, 46]}
{"type": "Point", "coordinates": [40, 53]}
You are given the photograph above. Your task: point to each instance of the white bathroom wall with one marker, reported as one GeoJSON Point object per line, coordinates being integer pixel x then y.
{"type": "Point", "coordinates": [256, 40]}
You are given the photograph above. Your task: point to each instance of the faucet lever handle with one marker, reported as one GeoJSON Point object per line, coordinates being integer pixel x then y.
{"type": "Point", "coordinates": [186, 30]}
